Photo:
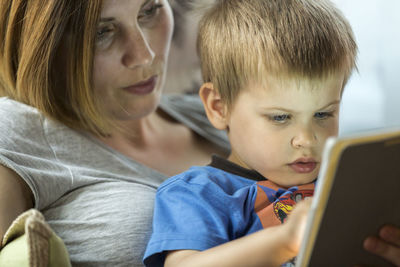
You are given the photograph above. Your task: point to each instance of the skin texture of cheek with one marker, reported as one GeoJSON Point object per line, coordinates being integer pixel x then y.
{"type": "Point", "coordinates": [253, 148]}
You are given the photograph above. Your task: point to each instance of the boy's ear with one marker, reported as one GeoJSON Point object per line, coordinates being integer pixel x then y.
{"type": "Point", "coordinates": [215, 108]}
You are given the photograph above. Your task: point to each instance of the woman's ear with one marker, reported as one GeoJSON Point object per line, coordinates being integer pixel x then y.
{"type": "Point", "coordinates": [215, 108]}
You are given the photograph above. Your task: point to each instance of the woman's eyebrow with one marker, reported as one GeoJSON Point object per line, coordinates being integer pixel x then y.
{"type": "Point", "coordinates": [145, 3]}
{"type": "Point", "coordinates": [106, 19]}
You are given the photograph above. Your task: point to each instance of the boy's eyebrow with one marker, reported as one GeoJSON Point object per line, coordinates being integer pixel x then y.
{"type": "Point", "coordinates": [336, 102]}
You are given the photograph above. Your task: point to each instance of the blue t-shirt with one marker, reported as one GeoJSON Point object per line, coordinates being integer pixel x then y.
{"type": "Point", "coordinates": [207, 206]}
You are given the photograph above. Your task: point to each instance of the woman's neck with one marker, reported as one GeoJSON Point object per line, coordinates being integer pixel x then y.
{"type": "Point", "coordinates": [161, 143]}
{"type": "Point", "coordinates": [139, 134]}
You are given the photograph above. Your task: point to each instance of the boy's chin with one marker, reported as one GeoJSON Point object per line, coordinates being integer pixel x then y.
{"type": "Point", "coordinates": [294, 181]}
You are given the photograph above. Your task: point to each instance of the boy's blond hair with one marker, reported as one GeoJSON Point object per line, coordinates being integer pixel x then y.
{"type": "Point", "coordinates": [242, 41]}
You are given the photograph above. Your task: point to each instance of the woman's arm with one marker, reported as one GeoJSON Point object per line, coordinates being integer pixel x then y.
{"type": "Point", "coordinates": [269, 247]}
{"type": "Point", "coordinates": [15, 198]}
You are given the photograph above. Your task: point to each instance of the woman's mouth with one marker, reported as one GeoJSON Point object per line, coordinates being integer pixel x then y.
{"type": "Point", "coordinates": [142, 88]}
{"type": "Point", "coordinates": [303, 165]}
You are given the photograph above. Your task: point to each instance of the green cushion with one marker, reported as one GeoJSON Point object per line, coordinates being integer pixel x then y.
{"type": "Point", "coordinates": [15, 253]}
{"type": "Point", "coordinates": [58, 252]}
{"type": "Point", "coordinates": [31, 242]}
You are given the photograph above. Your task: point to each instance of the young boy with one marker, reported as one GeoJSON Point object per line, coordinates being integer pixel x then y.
{"type": "Point", "coordinates": [274, 73]}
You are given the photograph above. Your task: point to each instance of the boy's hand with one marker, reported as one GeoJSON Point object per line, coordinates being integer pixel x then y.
{"type": "Point", "coordinates": [296, 224]}
{"type": "Point", "coordinates": [386, 245]}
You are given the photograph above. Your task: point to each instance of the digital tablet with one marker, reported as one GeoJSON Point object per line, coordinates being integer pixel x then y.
{"type": "Point", "coordinates": [357, 191]}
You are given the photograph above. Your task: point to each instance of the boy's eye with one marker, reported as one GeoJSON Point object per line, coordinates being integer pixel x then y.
{"type": "Point", "coordinates": [149, 11]}
{"type": "Point", "coordinates": [323, 115]}
{"type": "Point", "coordinates": [281, 118]}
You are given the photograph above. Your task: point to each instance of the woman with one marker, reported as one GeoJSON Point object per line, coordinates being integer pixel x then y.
{"type": "Point", "coordinates": [93, 161]}
{"type": "Point", "coordinates": [85, 135]}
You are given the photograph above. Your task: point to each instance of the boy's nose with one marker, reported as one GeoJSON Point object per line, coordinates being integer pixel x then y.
{"type": "Point", "coordinates": [304, 138]}
{"type": "Point", "coordinates": [137, 50]}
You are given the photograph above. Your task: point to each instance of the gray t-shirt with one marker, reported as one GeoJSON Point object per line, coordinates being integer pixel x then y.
{"type": "Point", "coordinates": [97, 200]}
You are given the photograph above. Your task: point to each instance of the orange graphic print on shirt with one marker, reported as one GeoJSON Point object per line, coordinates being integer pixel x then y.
{"type": "Point", "coordinates": [273, 204]}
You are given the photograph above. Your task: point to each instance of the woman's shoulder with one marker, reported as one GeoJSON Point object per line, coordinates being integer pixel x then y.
{"type": "Point", "coordinates": [188, 109]}
{"type": "Point", "coordinates": [18, 118]}
{"type": "Point", "coordinates": [23, 130]}
{"type": "Point", "coordinates": [183, 105]}
{"type": "Point", "coordinates": [10, 108]}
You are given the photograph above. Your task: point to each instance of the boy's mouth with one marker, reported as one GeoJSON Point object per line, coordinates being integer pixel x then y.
{"type": "Point", "coordinates": [303, 165]}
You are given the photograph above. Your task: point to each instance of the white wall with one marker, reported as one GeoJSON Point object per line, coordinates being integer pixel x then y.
{"type": "Point", "coordinates": [372, 96]}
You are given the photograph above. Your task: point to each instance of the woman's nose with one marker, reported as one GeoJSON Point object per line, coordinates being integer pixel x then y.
{"type": "Point", "coordinates": [137, 50]}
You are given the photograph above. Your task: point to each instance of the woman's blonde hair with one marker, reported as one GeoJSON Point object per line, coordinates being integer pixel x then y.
{"type": "Point", "coordinates": [46, 58]}
{"type": "Point", "coordinates": [244, 41]}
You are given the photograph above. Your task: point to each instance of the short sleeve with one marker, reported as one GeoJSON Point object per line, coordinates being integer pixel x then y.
{"type": "Point", "coordinates": [197, 214]}
{"type": "Point", "coordinates": [24, 149]}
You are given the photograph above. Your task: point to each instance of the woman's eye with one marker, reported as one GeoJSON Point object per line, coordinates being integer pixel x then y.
{"type": "Point", "coordinates": [281, 118]}
{"type": "Point", "coordinates": [323, 115]}
{"type": "Point", "coordinates": [149, 12]}
{"type": "Point", "coordinates": [104, 32]}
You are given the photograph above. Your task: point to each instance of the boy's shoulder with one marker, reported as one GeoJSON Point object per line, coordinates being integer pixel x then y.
{"type": "Point", "coordinates": [206, 177]}
{"type": "Point", "coordinates": [194, 175]}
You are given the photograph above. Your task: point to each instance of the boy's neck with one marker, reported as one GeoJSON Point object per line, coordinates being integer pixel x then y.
{"type": "Point", "coordinates": [231, 167]}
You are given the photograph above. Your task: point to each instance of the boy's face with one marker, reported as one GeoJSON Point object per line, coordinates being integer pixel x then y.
{"type": "Point", "coordinates": [280, 131]}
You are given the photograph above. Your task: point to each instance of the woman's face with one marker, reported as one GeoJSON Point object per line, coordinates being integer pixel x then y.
{"type": "Point", "coordinates": [132, 44]}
